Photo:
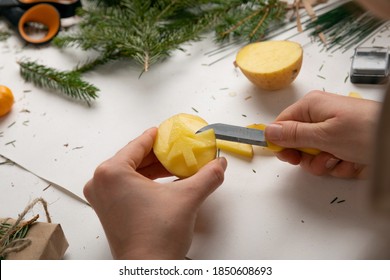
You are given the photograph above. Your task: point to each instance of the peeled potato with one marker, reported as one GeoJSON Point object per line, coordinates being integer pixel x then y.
{"type": "Point", "coordinates": [241, 149]}
{"type": "Point", "coordinates": [179, 149]}
{"type": "Point", "coordinates": [355, 94]}
{"type": "Point", "coordinates": [270, 65]}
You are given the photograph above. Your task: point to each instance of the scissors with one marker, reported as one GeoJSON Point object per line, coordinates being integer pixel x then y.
{"type": "Point", "coordinates": [44, 14]}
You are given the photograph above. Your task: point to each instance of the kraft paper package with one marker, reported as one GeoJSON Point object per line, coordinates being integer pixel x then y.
{"type": "Point", "coordinates": [48, 242]}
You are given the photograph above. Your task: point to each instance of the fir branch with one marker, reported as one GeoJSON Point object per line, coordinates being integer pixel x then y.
{"type": "Point", "coordinates": [92, 63]}
{"type": "Point", "coordinates": [261, 21]}
{"type": "Point", "coordinates": [18, 234]}
{"type": "Point", "coordinates": [241, 22]}
{"type": "Point", "coordinates": [148, 31]}
{"type": "Point", "coordinates": [68, 82]}
{"type": "Point", "coordinates": [250, 20]}
{"type": "Point", "coordinates": [4, 35]}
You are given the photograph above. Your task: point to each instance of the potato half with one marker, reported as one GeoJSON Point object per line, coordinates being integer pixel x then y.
{"type": "Point", "coordinates": [270, 65]}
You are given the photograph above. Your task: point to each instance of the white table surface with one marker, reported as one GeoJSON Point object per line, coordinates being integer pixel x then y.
{"type": "Point", "coordinates": [266, 209]}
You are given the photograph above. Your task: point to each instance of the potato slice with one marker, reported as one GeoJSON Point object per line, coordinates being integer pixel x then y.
{"type": "Point", "coordinates": [179, 149]}
{"type": "Point", "coordinates": [270, 65]}
{"type": "Point", "coordinates": [354, 94]}
{"type": "Point", "coordinates": [241, 149]}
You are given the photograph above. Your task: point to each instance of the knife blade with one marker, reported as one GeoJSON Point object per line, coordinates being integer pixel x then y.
{"type": "Point", "coordinates": [237, 134]}
{"type": "Point", "coordinates": [246, 135]}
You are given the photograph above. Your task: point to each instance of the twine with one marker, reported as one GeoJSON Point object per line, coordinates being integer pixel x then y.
{"type": "Point", "coordinates": [20, 244]}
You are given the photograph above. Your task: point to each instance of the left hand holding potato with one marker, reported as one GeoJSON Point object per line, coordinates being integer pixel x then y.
{"type": "Point", "coordinates": [144, 219]}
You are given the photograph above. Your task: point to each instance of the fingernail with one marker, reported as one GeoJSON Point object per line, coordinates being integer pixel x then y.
{"type": "Point", "coordinates": [274, 132]}
{"type": "Point", "coordinates": [331, 163]}
{"type": "Point", "coordinates": [223, 162]}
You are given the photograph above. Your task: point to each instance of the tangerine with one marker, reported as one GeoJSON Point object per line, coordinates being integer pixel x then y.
{"type": "Point", "coordinates": [6, 100]}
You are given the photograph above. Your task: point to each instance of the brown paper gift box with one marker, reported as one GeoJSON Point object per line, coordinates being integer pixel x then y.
{"type": "Point", "coordinates": [48, 242]}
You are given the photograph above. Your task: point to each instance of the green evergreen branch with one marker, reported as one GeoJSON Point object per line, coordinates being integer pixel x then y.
{"type": "Point", "coordinates": [4, 35]}
{"type": "Point", "coordinates": [250, 20]}
{"type": "Point", "coordinates": [148, 31]}
{"type": "Point", "coordinates": [20, 233]}
{"type": "Point", "coordinates": [68, 82]}
{"type": "Point", "coordinates": [91, 64]}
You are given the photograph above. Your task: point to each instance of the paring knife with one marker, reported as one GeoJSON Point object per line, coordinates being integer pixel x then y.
{"type": "Point", "coordinates": [249, 136]}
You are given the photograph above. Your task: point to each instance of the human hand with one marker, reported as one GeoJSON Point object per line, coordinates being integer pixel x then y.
{"type": "Point", "coordinates": [144, 219]}
{"type": "Point", "coordinates": [342, 127]}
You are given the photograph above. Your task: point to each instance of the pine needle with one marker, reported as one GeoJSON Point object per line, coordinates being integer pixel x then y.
{"type": "Point", "coordinates": [345, 26]}
{"type": "Point", "coordinates": [4, 35]}
{"type": "Point", "coordinates": [67, 82]}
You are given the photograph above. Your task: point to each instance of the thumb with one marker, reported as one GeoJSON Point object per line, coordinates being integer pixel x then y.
{"type": "Point", "coordinates": [206, 180]}
{"type": "Point", "coordinates": [292, 134]}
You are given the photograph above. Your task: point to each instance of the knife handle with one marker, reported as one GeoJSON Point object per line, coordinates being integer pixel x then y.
{"type": "Point", "coordinates": [276, 148]}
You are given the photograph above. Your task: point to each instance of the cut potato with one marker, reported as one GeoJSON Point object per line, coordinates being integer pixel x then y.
{"type": "Point", "coordinates": [354, 94]}
{"type": "Point", "coordinates": [179, 149]}
{"type": "Point", "coordinates": [241, 149]}
{"type": "Point", "coordinates": [270, 65]}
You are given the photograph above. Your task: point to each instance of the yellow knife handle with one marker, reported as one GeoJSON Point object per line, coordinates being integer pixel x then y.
{"type": "Point", "coordinates": [276, 148]}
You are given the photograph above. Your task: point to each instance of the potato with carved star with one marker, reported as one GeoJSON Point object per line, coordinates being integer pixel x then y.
{"type": "Point", "coordinates": [179, 149]}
